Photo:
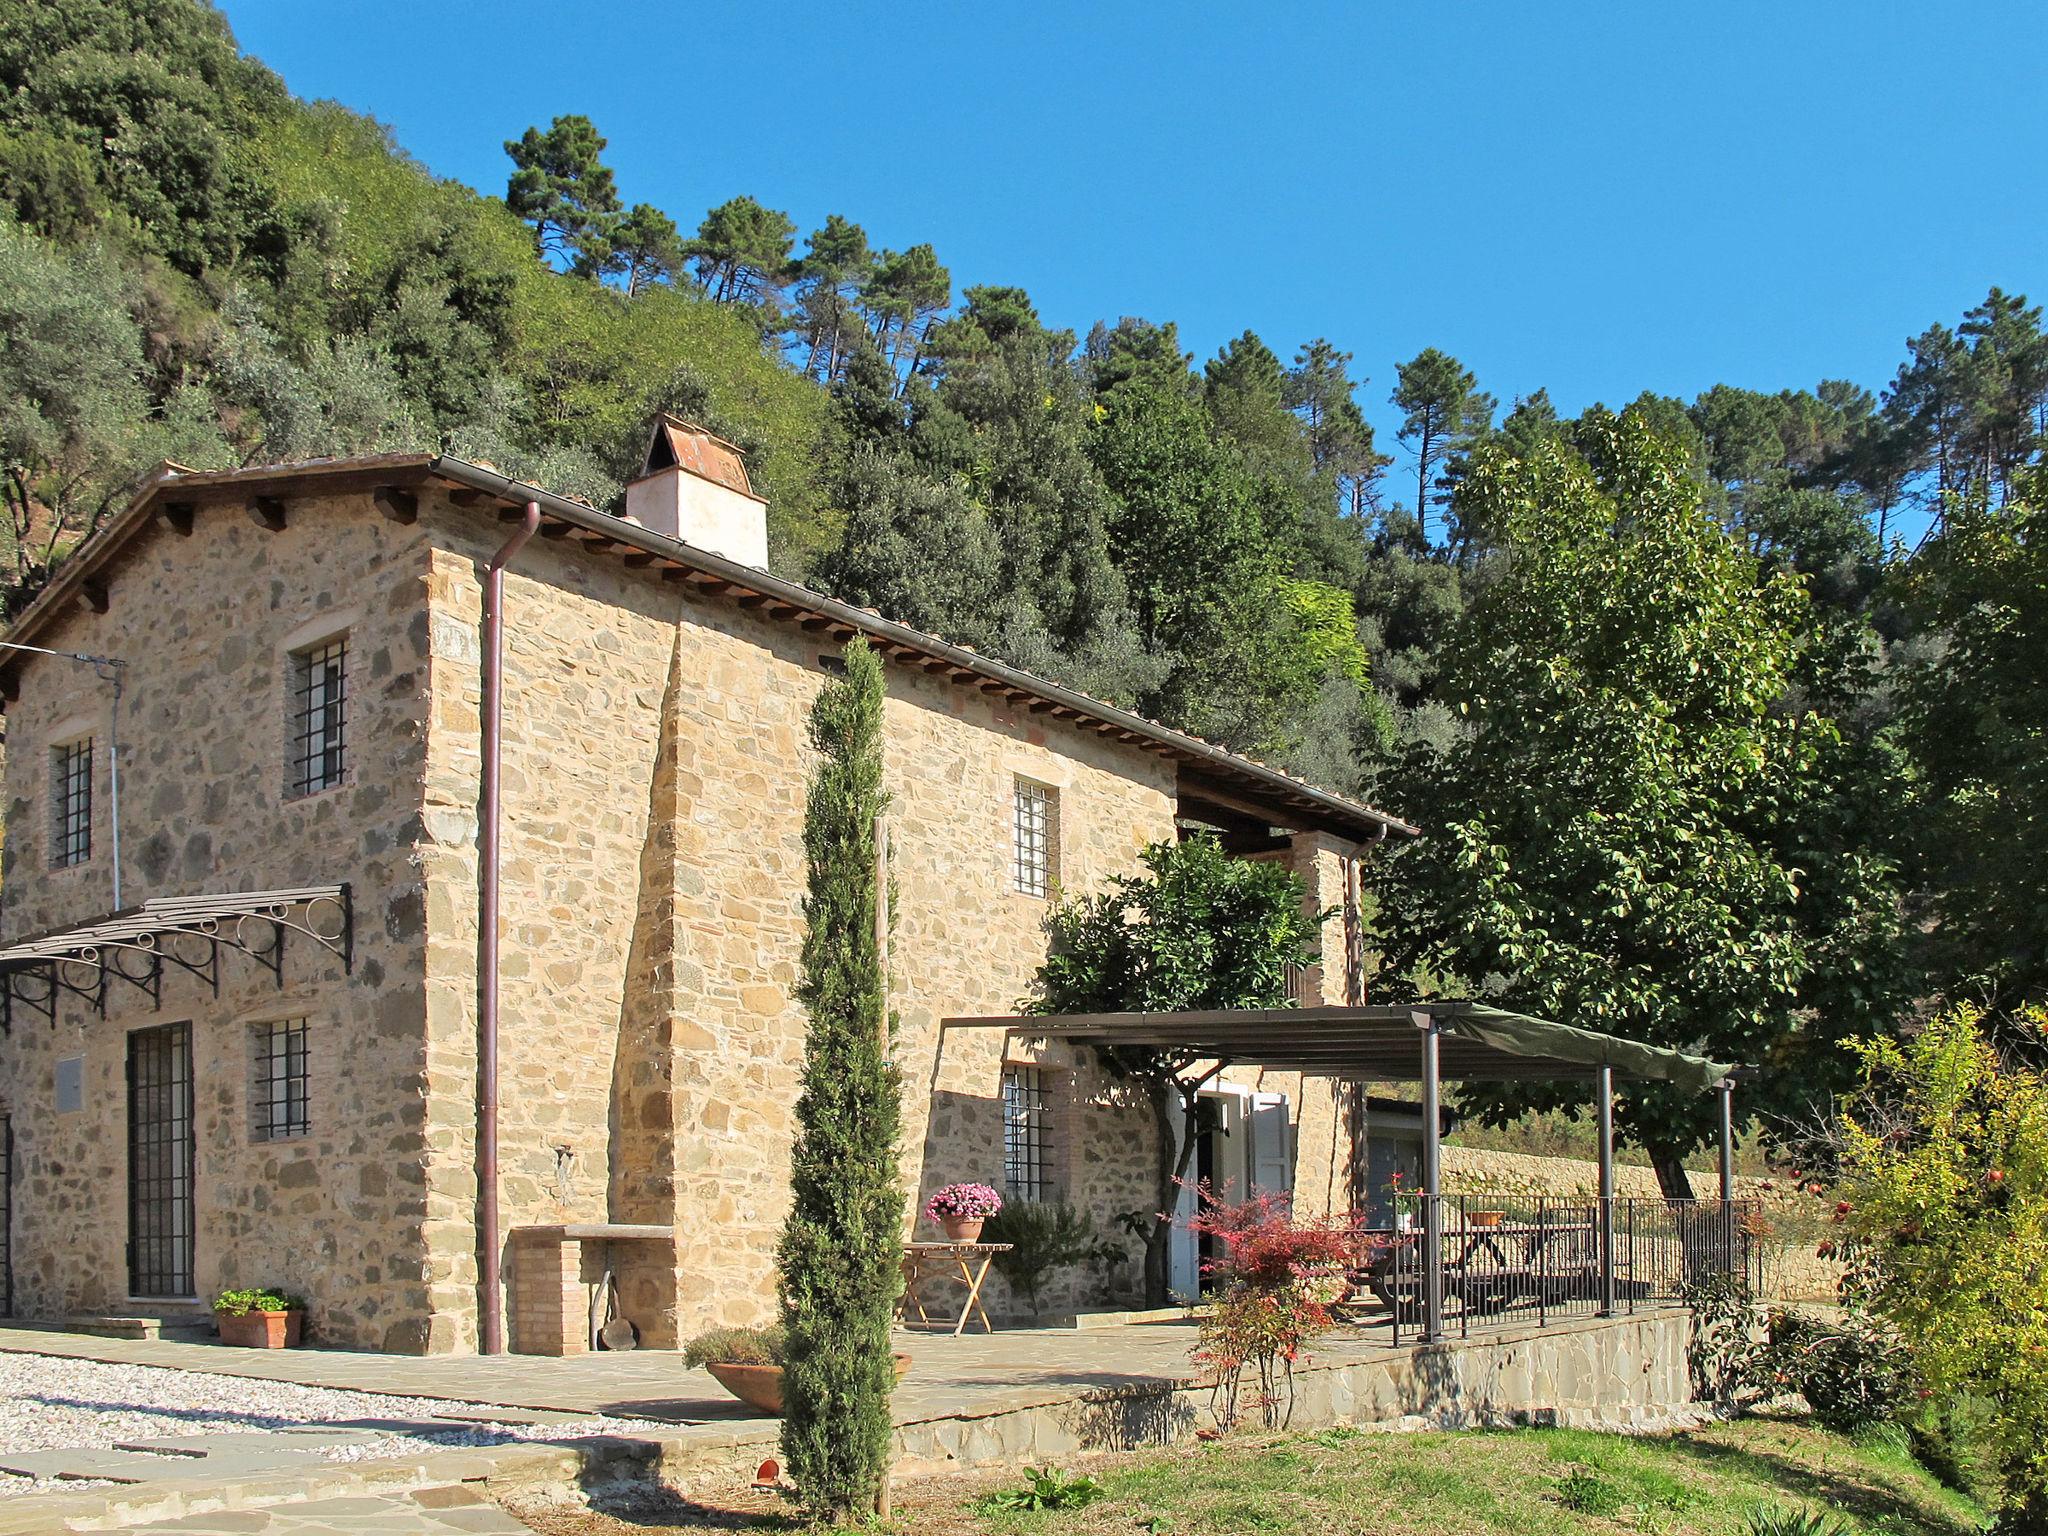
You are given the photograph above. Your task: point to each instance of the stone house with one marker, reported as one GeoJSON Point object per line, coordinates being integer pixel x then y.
{"type": "Point", "coordinates": [240, 951]}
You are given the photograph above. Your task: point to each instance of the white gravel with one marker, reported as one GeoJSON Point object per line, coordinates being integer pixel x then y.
{"type": "Point", "coordinates": [49, 1402]}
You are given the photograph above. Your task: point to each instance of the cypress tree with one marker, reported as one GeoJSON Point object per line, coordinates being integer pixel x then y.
{"type": "Point", "coordinates": [840, 1274]}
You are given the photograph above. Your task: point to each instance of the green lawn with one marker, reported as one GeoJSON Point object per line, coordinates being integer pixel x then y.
{"type": "Point", "coordinates": [1346, 1483]}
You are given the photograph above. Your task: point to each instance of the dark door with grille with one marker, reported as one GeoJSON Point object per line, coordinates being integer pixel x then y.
{"type": "Point", "coordinates": [160, 1161]}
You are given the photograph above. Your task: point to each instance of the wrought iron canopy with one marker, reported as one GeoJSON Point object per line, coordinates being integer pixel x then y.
{"type": "Point", "coordinates": [190, 932]}
{"type": "Point", "coordinates": [1374, 1044]}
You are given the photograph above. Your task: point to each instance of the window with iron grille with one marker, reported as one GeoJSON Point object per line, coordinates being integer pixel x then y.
{"type": "Point", "coordinates": [1036, 841]}
{"type": "Point", "coordinates": [71, 803]}
{"type": "Point", "coordinates": [282, 1079]}
{"type": "Point", "coordinates": [315, 756]}
{"type": "Point", "coordinates": [1027, 1134]}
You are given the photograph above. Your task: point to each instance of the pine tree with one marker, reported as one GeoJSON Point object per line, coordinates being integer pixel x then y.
{"type": "Point", "coordinates": [1444, 413]}
{"type": "Point", "coordinates": [563, 189]}
{"type": "Point", "coordinates": [839, 1270]}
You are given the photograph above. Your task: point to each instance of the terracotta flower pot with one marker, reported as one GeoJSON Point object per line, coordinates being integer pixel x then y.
{"type": "Point", "coordinates": [261, 1330]}
{"type": "Point", "coordinates": [1485, 1218]}
{"type": "Point", "coordinates": [962, 1229]}
{"type": "Point", "coordinates": [760, 1386]}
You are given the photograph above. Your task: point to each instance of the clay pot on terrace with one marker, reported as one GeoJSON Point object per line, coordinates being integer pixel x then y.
{"type": "Point", "coordinates": [1485, 1218]}
{"type": "Point", "coordinates": [261, 1330]}
{"type": "Point", "coordinates": [760, 1386]}
{"type": "Point", "coordinates": [962, 1229]}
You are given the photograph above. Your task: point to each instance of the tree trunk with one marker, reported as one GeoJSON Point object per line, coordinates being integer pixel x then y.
{"type": "Point", "coordinates": [1673, 1182]}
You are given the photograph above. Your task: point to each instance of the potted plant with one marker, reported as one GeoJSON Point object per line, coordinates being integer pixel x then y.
{"type": "Point", "coordinates": [961, 1209]}
{"type": "Point", "coordinates": [260, 1318]}
{"type": "Point", "coordinates": [747, 1362]}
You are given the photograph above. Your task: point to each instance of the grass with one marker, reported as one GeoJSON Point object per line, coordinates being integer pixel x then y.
{"type": "Point", "coordinates": [1721, 1481]}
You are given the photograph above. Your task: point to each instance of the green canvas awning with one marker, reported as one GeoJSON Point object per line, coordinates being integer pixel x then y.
{"type": "Point", "coordinates": [1378, 1043]}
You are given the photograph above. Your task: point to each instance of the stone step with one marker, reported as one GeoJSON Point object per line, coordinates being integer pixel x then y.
{"type": "Point", "coordinates": [185, 1326]}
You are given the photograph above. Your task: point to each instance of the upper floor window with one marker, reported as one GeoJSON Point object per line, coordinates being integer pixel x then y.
{"type": "Point", "coordinates": [316, 747]}
{"type": "Point", "coordinates": [71, 803]}
{"type": "Point", "coordinates": [1035, 862]}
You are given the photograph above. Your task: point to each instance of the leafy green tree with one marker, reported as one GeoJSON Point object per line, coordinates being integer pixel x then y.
{"type": "Point", "coordinates": [562, 187]}
{"type": "Point", "coordinates": [742, 252]}
{"type": "Point", "coordinates": [1972, 717]}
{"type": "Point", "coordinates": [345, 398]}
{"type": "Point", "coordinates": [1633, 835]}
{"type": "Point", "coordinates": [917, 550]}
{"type": "Point", "coordinates": [1944, 1155]}
{"type": "Point", "coordinates": [1188, 532]}
{"type": "Point", "coordinates": [1135, 350]}
{"type": "Point", "coordinates": [1199, 929]}
{"type": "Point", "coordinates": [838, 1259]}
{"type": "Point", "coordinates": [141, 115]}
{"type": "Point", "coordinates": [1444, 412]}
{"type": "Point", "coordinates": [76, 429]}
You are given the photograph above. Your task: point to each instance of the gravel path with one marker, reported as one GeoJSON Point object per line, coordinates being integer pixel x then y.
{"type": "Point", "coordinates": [52, 1403]}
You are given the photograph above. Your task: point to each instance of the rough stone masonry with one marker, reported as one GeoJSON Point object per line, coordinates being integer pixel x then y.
{"type": "Point", "coordinates": [654, 763]}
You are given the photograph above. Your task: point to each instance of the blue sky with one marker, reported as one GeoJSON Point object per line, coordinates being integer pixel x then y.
{"type": "Point", "coordinates": [1599, 199]}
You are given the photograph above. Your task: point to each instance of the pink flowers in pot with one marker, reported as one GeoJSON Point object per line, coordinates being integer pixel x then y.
{"type": "Point", "coordinates": [963, 1202]}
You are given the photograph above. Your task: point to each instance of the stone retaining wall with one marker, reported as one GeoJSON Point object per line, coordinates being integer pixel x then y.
{"type": "Point", "coordinates": [1619, 1373]}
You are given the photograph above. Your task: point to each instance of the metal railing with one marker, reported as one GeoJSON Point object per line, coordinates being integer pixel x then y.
{"type": "Point", "coordinates": [1537, 1259]}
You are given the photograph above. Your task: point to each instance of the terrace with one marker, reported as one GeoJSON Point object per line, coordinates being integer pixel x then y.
{"type": "Point", "coordinates": [1453, 1263]}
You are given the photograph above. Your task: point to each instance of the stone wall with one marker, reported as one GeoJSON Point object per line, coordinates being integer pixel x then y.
{"type": "Point", "coordinates": [1602, 1373]}
{"type": "Point", "coordinates": [206, 623]}
{"type": "Point", "coordinates": [655, 764]}
{"type": "Point", "coordinates": [654, 777]}
{"type": "Point", "coordinates": [1790, 1226]}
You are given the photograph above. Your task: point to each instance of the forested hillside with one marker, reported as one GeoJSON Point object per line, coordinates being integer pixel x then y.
{"type": "Point", "coordinates": [196, 266]}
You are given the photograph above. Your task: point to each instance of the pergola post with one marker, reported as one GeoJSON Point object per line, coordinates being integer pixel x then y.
{"type": "Point", "coordinates": [1432, 1184]}
{"type": "Point", "coordinates": [1727, 1090]}
{"type": "Point", "coordinates": [1604, 1093]}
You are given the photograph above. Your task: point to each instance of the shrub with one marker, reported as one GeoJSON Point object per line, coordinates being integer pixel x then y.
{"type": "Point", "coordinates": [737, 1346]}
{"type": "Point", "coordinates": [1944, 1207]}
{"type": "Point", "coordinates": [1045, 1488]}
{"type": "Point", "coordinates": [1776, 1520]}
{"type": "Point", "coordinates": [1852, 1373]}
{"type": "Point", "coordinates": [1266, 1313]}
{"type": "Point", "coordinates": [257, 1299]}
{"type": "Point", "coordinates": [1044, 1235]}
{"type": "Point", "coordinates": [1585, 1492]}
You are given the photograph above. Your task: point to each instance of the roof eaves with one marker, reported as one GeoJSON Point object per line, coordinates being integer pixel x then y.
{"type": "Point", "coordinates": [754, 579]}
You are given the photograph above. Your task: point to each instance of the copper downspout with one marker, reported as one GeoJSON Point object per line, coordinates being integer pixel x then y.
{"type": "Point", "coordinates": [488, 1244]}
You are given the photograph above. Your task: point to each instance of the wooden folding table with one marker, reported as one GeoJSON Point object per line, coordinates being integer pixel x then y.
{"type": "Point", "coordinates": [968, 1262]}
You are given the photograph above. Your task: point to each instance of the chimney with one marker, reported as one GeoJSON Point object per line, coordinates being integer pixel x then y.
{"type": "Point", "coordinates": [694, 488]}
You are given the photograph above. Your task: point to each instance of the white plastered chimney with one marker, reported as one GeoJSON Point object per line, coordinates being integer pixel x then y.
{"type": "Point", "coordinates": [694, 487]}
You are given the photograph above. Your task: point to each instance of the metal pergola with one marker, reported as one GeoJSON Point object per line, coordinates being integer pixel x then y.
{"type": "Point", "coordinates": [1428, 1043]}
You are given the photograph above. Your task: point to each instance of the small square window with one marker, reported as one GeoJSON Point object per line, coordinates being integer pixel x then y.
{"type": "Point", "coordinates": [71, 803]}
{"type": "Point", "coordinates": [1035, 860]}
{"type": "Point", "coordinates": [70, 1084]}
{"type": "Point", "coordinates": [1027, 1134]}
{"type": "Point", "coordinates": [281, 1082]}
{"type": "Point", "coordinates": [316, 748]}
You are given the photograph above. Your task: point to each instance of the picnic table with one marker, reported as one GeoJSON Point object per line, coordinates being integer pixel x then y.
{"type": "Point", "coordinates": [927, 1261]}
{"type": "Point", "coordinates": [1485, 1269]}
